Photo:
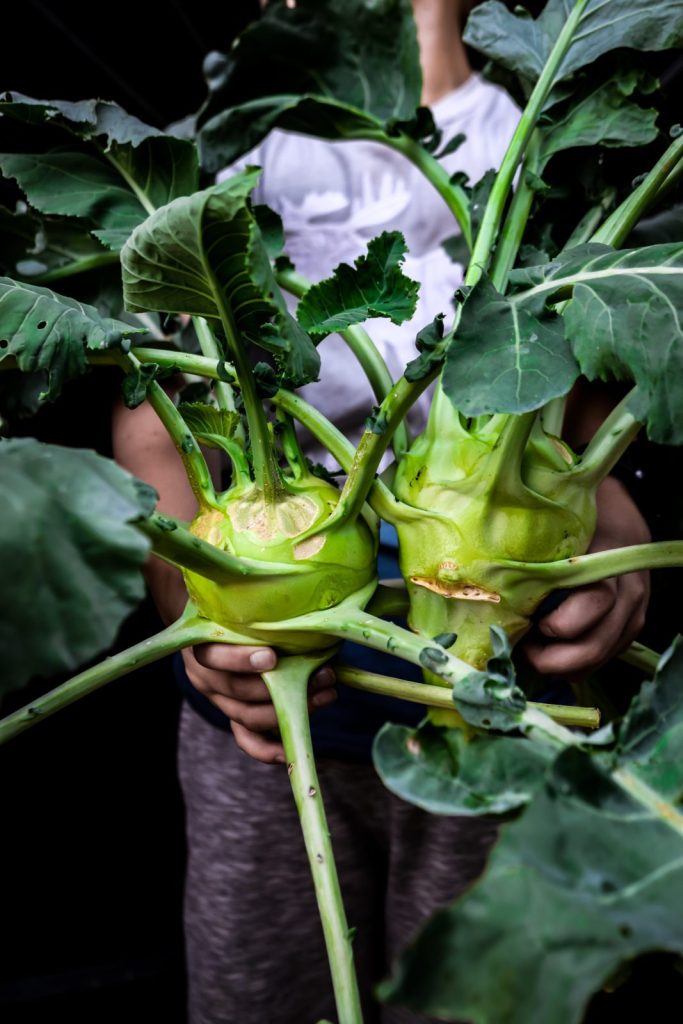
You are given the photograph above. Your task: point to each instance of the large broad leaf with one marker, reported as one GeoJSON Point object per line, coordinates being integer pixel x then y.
{"type": "Point", "coordinates": [523, 44]}
{"type": "Point", "coordinates": [625, 319]}
{"type": "Point", "coordinates": [129, 169]}
{"type": "Point", "coordinates": [204, 255]}
{"type": "Point", "coordinates": [374, 287]}
{"type": "Point", "coordinates": [589, 878]}
{"type": "Point", "coordinates": [506, 357]}
{"type": "Point", "coordinates": [341, 69]}
{"type": "Point", "coordinates": [444, 772]}
{"type": "Point", "coordinates": [50, 332]}
{"type": "Point", "coordinates": [67, 543]}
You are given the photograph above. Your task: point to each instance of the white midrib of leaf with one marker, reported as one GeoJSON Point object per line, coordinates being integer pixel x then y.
{"type": "Point", "coordinates": [587, 276]}
{"type": "Point", "coordinates": [658, 807]}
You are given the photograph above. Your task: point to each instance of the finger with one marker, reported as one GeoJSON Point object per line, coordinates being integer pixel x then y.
{"type": "Point", "coordinates": [323, 679]}
{"type": "Point", "coordinates": [255, 717]}
{"type": "Point", "coordinates": [236, 658]}
{"type": "Point", "coordinates": [241, 687]}
{"type": "Point", "coordinates": [261, 748]}
{"type": "Point", "coordinates": [581, 611]}
{"type": "Point", "coordinates": [585, 654]}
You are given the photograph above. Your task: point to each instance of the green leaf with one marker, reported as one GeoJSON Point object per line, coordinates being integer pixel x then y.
{"type": "Point", "coordinates": [506, 357]}
{"type": "Point", "coordinates": [50, 332]}
{"type": "Point", "coordinates": [67, 541]}
{"type": "Point", "coordinates": [209, 424]}
{"type": "Point", "coordinates": [589, 878]}
{"type": "Point", "coordinates": [428, 344]}
{"type": "Point", "coordinates": [523, 44]}
{"type": "Point", "coordinates": [443, 772]}
{"type": "Point", "coordinates": [135, 384]}
{"type": "Point", "coordinates": [34, 247]}
{"type": "Point", "coordinates": [128, 170]}
{"type": "Point", "coordinates": [490, 698]}
{"type": "Point", "coordinates": [204, 255]}
{"type": "Point", "coordinates": [365, 54]}
{"type": "Point", "coordinates": [374, 287]}
{"type": "Point", "coordinates": [607, 116]}
{"type": "Point", "coordinates": [625, 320]}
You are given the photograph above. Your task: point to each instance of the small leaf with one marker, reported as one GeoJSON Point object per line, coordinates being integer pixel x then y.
{"type": "Point", "coordinates": [135, 384]}
{"type": "Point", "coordinates": [374, 287]}
{"type": "Point", "coordinates": [428, 343]}
{"type": "Point", "coordinates": [208, 423]}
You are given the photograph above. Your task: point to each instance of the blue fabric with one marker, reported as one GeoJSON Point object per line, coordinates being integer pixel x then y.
{"type": "Point", "coordinates": [343, 730]}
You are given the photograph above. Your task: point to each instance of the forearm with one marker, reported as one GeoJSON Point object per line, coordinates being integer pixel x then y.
{"type": "Point", "coordinates": [142, 446]}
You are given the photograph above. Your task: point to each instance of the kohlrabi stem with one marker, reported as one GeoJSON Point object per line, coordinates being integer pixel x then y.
{"type": "Point", "coordinates": [608, 444]}
{"type": "Point", "coordinates": [442, 697]}
{"type": "Point", "coordinates": [642, 657]}
{"type": "Point", "coordinates": [210, 349]}
{"type": "Point", "coordinates": [171, 359]}
{"type": "Point", "coordinates": [177, 546]}
{"type": "Point", "coordinates": [380, 498]}
{"type": "Point", "coordinates": [288, 688]}
{"type": "Point", "coordinates": [590, 222]}
{"type": "Point", "coordinates": [78, 266]}
{"type": "Point", "coordinates": [372, 446]}
{"type": "Point", "coordinates": [193, 459]}
{"type": "Point", "coordinates": [454, 196]}
{"type": "Point", "coordinates": [503, 466]}
{"type": "Point", "coordinates": [363, 348]}
{"type": "Point", "coordinates": [188, 630]}
{"type": "Point", "coordinates": [621, 222]}
{"type": "Point", "coordinates": [601, 565]}
{"type": "Point", "coordinates": [552, 415]}
{"type": "Point", "coordinates": [486, 237]}
{"type": "Point", "coordinates": [290, 446]}
{"type": "Point", "coordinates": [515, 223]}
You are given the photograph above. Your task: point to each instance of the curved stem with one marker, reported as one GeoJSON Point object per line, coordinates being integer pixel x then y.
{"type": "Point", "coordinates": [103, 259]}
{"type": "Point", "coordinates": [175, 544]}
{"type": "Point", "coordinates": [363, 348]}
{"type": "Point", "coordinates": [288, 688]}
{"type": "Point", "coordinates": [454, 196]}
{"type": "Point", "coordinates": [600, 565]}
{"type": "Point", "coordinates": [488, 231]}
{"type": "Point", "coordinates": [608, 444]}
{"type": "Point", "coordinates": [642, 657]}
{"type": "Point", "coordinates": [188, 630]}
{"type": "Point", "coordinates": [210, 349]}
{"type": "Point", "coordinates": [516, 220]}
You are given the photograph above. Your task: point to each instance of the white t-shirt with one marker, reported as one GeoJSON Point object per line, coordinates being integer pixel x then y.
{"type": "Point", "coordinates": [334, 197]}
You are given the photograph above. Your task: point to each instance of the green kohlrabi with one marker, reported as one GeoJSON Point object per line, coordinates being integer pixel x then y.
{"type": "Point", "coordinates": [494, 509]}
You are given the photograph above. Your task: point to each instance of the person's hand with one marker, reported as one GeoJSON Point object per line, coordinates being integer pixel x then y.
{"type": "Point", "coordinates": [597, 622]}
{"type": "Point", "coordinates": [230, 677]}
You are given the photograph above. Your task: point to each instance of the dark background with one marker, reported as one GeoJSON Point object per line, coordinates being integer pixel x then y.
{"type": "Point", "coordinates": [93, 846]}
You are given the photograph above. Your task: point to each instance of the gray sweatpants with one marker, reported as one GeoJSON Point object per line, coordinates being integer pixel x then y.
{"type": "Point", "coordinates": [255, 948]}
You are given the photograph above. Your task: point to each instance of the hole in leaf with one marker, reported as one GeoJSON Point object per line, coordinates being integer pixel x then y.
{"type": "Point", "coordinates": [41, 325]}
{"type": "Point", "coordinates": [4, 343]}
{"type": "Point", "coordinates": [486, 721]}
{"type": "Point", "coordinates": [625, 930]}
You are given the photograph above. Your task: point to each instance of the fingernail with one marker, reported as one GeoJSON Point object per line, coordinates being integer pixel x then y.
{"type": "Point", "coordinates": [326, 697]}
{"type": "Point", "coordinates": [262, 660]}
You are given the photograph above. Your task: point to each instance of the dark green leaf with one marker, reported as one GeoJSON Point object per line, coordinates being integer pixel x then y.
{"type": "Point", "coordinates": [204, 255]}
{"type": "Point", "coordinates": [89, 119]}
{"type": "Point", "coordinates": [443, 772]}
{"type": "Point", "coordinates": [208, 423]}
{"type": "Point", "coordinates": [34, 247]}
{"type": "Point", "coordinates": [452, 145]}
{"type": "Point", "coordinates": [625, 320]}
{"type": "Point", "coordinates": [374, 286]}
{"type": "Point", "coordinates": [428, 343]}
{"type": "Point", "coordinates": [505, 357]}
{"type": "Point", "coordinates": [490, 698]}
{"type": "Point", "coordinates": [67, 542]}
{"type": "Point", "coordinates": [135, 385]}
{"type": "Point", "coordinates": [589, 878]}
{"type": "Point", "coordinates": [523, 44]}
{"type": "Point", "coordinates": [479, 196]}
{"type": "Point", "coordinates": [50, 332]}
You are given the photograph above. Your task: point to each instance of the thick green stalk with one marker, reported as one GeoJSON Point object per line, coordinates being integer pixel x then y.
{"type": "Point", "coordinates": [442, 697]}
{"type": "Point", "coordinates": [601, 565]}
{"type": "Point", "coordinates": [516, 220]}
{"type": "Point", "coordinates": [590, 222]}
{"type": "Point", "coordinates": [290, 446]}
{"type": "Point", "coordinates": [486, 237]}
{"type": "Point", "coordinates": [188, 630]}
{"type": "Point", "coordinates": [608, 444]}
{"type": "Point", "coordinates": [193, 459]}
{"type": "Point", "coordinates": [454, 196]}
{"type": "Point", "coordinates": [621, 222]}
{"type": "Point", "coordinates": [171, 359]}
{"type": "Point", "coordinates": [380, 498]}
{"type": "Point", "coordinates": [177, 546]}
{"type": "Point", "coordinates": [210, 349]}
{"type": "Point", "coordinates": [363, 348]}
{"type": "Point", "coordinates": [504, 465]}
{"type": "Point", "coordinates": [288, 688]}
{"type": "Point", "coordinates": [552, 415]}
{"type": "Point", "coordinates": [81, 266]}
{"type": "Point", "coordinates": [642, 657]}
